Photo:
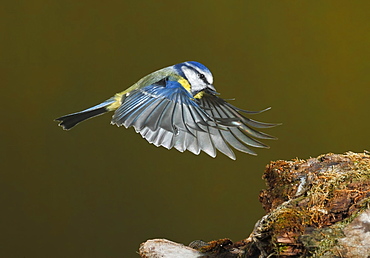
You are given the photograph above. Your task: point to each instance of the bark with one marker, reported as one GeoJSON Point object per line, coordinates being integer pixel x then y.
{"type": "Point", "coordinates": [318, 207]}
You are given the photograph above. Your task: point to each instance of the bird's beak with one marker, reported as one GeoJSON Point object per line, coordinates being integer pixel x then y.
{"type": "Point", "coordinates": [210, 86]}
{"type": "Point", "coordinates": [212, 89]}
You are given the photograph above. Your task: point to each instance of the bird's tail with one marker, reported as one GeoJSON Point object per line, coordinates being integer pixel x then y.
{"type": "Point", "coordinates": [69, 121]}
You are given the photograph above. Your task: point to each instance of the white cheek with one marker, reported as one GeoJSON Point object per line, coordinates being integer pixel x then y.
{"type": "Point", "coordinates": [209, 78]}
{"type": "Point", "coordinates": [196, 83]}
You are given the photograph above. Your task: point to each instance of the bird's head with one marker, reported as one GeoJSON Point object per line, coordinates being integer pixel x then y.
{"type": "Point", "coordinates": [199, 77]}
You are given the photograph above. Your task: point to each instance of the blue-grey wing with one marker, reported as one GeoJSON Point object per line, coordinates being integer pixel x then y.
{"type": "Point", "coordinates": [226, 128]}
{"type": "Point", "coordinates": [157, 107]}
{"type": "Point", "coordinates": [232, 127]}
{"type": "Point", "coordinates": [167, 115]}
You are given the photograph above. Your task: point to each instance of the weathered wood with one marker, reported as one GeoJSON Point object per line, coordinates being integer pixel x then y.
{"type": "Point", "coordinates": [318, 207]}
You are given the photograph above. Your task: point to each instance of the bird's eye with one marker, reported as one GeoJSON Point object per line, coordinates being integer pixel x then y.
{"type": "Point", "coordinates": [201, 76]}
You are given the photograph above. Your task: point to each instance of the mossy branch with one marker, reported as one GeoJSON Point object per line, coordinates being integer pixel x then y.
{"type": "Point", "coordinates": [315, 208]}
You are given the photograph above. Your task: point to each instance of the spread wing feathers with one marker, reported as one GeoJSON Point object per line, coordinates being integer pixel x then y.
{"type": "Point", "coordinates": [170, 117]}
{"type": "Point", "coordinates": [154, 107]}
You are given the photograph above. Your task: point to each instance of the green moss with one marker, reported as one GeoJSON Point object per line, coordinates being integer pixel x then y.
{"type": "Point", "coordinates": [336, 192]}
{"type": "Point", "coordinates": [288, 220]}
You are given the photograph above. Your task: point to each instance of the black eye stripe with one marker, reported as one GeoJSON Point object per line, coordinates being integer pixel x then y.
{"type": "Point", "coordinates": [202, 77]}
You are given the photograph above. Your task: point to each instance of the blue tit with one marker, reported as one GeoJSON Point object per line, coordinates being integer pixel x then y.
{"type": "Point", "coordinates": [178, 107]}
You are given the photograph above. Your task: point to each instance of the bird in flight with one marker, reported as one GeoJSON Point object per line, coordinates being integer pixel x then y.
{"type": "Point", "coordinates": [178, 107]}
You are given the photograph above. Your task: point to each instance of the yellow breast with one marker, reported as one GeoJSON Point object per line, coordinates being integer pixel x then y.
{"type": "Point", "coordinates": [184, 83]}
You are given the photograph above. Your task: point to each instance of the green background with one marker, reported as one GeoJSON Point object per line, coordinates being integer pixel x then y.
{"type": "Point", "coordinates": [99, 190]}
